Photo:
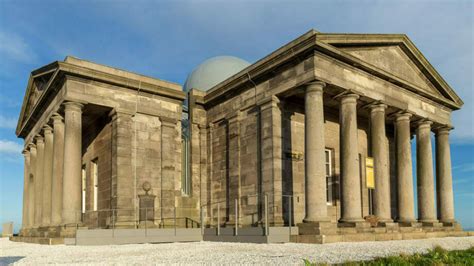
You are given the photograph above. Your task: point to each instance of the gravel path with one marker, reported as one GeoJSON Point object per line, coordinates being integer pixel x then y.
{"type": "Point", "coordinates": [217, 253]}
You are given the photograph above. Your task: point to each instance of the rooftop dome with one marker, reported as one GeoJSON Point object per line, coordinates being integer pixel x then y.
{"type": "Point", "coordinates": [213, 71]}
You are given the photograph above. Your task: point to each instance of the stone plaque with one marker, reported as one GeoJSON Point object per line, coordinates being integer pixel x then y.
{"type": "Point", "coordinates": [147, 207]}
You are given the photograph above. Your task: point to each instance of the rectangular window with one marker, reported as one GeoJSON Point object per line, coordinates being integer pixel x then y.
{"type": "Point", "coordinates": [185, 175]}
{"type": "Point", "coordinates": [84, 177]}
{"type": "Point", "coordinates": [95, 176]}
{"type": "Point", "coordinates": [329, 178]}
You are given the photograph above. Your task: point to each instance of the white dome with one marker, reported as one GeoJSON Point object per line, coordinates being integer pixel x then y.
{"type": "Point", "coordinates": [213, 71]}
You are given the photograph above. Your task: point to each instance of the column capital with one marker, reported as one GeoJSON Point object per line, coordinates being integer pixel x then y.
{"type": "Point", "coordinates": [443, 130]}
{"type": "Point", "coordinates": [26, 151]}
{"type": "Point", "coordinates": [235, 117]}
{"type": "Point", "coordinates": [378, 107]}
{"type": "Point", "coordinates": [114, 114]}
{"type": "Point", "coordinates": [73, 106]}
{"type": "Point", "coordinates": [39, 139]}
{"type": "Point", "coordinates": [269, 102]}
{"type": "Point", "coordinates": [166, 121]}
{"type": "Point", "coordinates": [315, 86]}
{"type": "Point", "coordinates": [423, 124]}
{"type": "Point", "coordinates": [56, 117]}
{"type": "Point", "coordinates": [47, 129]}
{"type": "Point", "coordinates": [401, 116]}
{"type": "Point", "coordinates": [349, 98]}
{"type": "Point", "coordinates": [31, 145]}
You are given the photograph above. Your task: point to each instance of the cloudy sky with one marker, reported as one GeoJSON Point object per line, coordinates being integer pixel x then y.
{"type": "Point", "coordinates": [167, 39]}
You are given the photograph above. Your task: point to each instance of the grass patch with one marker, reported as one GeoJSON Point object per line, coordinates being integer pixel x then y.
{"type": "Point", "coordinates": [437, 256]}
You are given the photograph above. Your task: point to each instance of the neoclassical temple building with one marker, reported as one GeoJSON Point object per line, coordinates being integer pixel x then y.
{"type": "Point", "coordinates": [316, 134]}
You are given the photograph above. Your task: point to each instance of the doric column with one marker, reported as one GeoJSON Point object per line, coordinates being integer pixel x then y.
{"type": "Point", "coordinates": [406, 211]}
{"type": "Point", "coordinates": [351, 207]}
{"type": "Point", "coordinates": [57, 177]}
{"type": "Point", "coordinates": [315, 176]}
{"type": "Point", "coordinates": [31, 185]}
{"type": "Point", "coordinates": [379, 145]}
{"type": "Point", "coordinates": [72, 163]}
{"type": "Point", "coordinates": [271, 150]}
{"type": "Point", "coordinates": [26, 180]}
{"type": "Point", "coordinates": [123, 195]}
{"type": "Point", "coordinates": [47, 175]}
{"type": "Point", "coordinates": [168, 166]}
{"type": "Point", "coordinates": [444, 177]}
{"type": "Point", "coordinates": [425, 179]}
{"type": "Point", "coordinates": [234, 185]}
{"type": "Point", "coordinates": [39, 179]}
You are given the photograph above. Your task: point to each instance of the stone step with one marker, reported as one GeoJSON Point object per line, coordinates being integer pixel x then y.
{"type": "Point", "coordinates": [38, 240]}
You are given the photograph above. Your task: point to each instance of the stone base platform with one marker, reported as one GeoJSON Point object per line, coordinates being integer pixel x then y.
{"type": "Point", "coordinates": [50, 232]}
{"type": "Point", "coordinates": [321, 233]}
{"type": "Point", "coordinates": [38, 240]}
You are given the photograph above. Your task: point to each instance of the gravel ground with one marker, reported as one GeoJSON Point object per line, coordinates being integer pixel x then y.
{"type": "Point", "coordinates": [217, 252]}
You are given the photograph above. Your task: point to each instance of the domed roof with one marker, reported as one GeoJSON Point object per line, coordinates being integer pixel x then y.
{"type": "Point", "coordinates": [213, 71]}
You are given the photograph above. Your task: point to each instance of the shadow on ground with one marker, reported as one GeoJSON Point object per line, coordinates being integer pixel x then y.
{"type": "Point", "coordinates": [9, 260]}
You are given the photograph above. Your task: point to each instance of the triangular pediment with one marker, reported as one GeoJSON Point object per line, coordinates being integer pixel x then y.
{"type": "Point", "coordinates": [394, 60]}
{"type": "Point", "coordinates": [394, 57]}
{"type": "Point", "coordinates": [38, 83]}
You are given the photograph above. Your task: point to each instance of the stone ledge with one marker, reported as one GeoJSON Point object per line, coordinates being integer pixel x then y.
{"type": "Point", "coordinates": [374, 236]}
{"type": "Point", "coordinates": [38, 240]}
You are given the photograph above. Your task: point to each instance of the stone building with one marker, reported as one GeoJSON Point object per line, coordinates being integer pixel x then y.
{"type": "Point", "coordinates": [286, 138]}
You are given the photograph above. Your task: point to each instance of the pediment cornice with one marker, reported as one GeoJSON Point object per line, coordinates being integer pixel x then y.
{"type": "Point", "coordinates": [331, 44]}
{"type": "Point", "coordinates": [343, 41]}
{"type": "Point", "coordinates": [45, 82]}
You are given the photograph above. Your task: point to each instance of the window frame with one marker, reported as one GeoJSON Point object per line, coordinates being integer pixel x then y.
{"type": "Point", "coordinates": [328, 161]}
{"type": "Point", "coordinates": [83, 189]}
{"type": "Point", "coordinates": [95, 183]}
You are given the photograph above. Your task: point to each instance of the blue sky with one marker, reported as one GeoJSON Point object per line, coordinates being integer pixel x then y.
{"type": "Point", "coordinates": [166, 39]}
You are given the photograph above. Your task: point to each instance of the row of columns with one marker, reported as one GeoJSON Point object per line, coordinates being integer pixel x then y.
{"type": "Point", "coordinates": [351, 210]}
{"type": "Point", "coordinates": [53, 171]}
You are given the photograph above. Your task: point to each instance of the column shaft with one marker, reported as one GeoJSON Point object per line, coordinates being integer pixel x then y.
{"type": "Point", "coordinates": [39, 180]}
{"type": "Point", "coordinates": [425, 179]}
{"type": "Point", "coordinates": [72, 163]}
{"type": "Point", "coordinates": [234, 185]}
{"type": "Point", "coordinates": [31, 186]}
{"type": "Point", "coordinates": [122, 169]}
{"type": "Point", "coordinates": [47, 175]}
{"type": "Point", "coordinates": [444, 178]}
{"type": "Point", "coordinates": [57, 176]}
{"type": "Point", "coordinates": [271, 145]}
{"type": "Point", "coordinates": [406, 211]}
{"type": "Point", "coordinates": [351, 207]}
{"type": "Point", "coordinates": [26, 180]}
{"type": "Point", "coordinates": [379, 143]}
{"type": "Point", "coordinates": [315, 176]}
{"type": "Point", "coordinates": [168, 166]}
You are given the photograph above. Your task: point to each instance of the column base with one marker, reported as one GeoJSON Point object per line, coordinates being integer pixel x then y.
{"type": "Point", "coordinates": [428, 221]}
{"type": "Point", "coordinates": [409, 223]}
{"type": "Point", "coordinates": [354, 224]}
{"type": "Point", "coordinates": [351, 220]}
{"type": "Point", "coordinates": [448, 222]}
{"type": "Point", "coordinates": [388, 224]}
{"type": "Point", "coordinates": [431, 223]}
{"type": "Point", "coordinates": [316, 220]}
{"type": "Point", "coordinates": [317, 228]}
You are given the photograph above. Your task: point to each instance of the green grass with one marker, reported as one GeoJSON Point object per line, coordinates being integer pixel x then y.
{"type": "Point", "coordinates": [437, 256]}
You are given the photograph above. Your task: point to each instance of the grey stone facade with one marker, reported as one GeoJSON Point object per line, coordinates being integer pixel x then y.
{"type": "Point", "coordinates": [294, 129]}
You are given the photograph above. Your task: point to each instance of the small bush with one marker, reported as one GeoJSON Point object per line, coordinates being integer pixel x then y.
{"type": "Point", "coordinates": [437, 256]}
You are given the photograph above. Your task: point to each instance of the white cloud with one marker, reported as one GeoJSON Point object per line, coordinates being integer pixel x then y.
{"type": "Point", "coordinates": [14, 47]}
{"type": "Point", "coordinates": [9, 148]}
{"type": "Point", "coordinates": [464, 168]}
{"type": "Point", "coordinates": [7, 122]}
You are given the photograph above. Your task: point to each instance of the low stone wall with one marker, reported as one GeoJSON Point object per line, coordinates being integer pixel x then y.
{"type": "Point", "coordinates": [322, 234]}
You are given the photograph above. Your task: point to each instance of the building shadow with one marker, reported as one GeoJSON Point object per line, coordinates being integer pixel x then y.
{"type": "Point", "coordinates": [9, 260]}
